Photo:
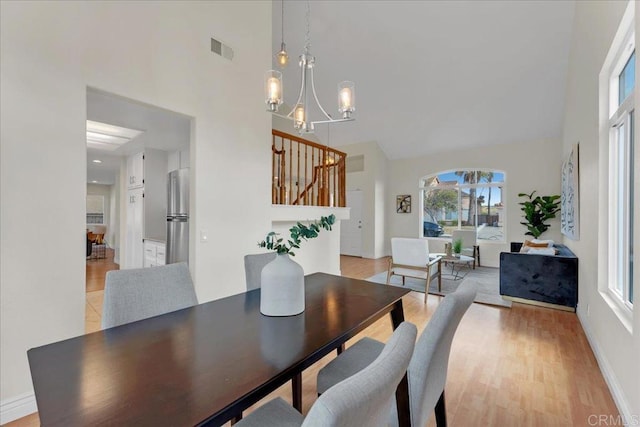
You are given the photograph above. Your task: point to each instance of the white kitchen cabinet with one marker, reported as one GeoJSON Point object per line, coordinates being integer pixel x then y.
{"type": "Point", "coordinates": [135, 170]}
{"type": "Point", "coordinates": [154, 253]}
{"type": "Point", "coordinates": [134, 228]}
{"type": "Point", "coordinates": [146, 200]}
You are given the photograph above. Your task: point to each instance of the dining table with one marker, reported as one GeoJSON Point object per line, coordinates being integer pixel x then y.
{"type": "Point", "coordinates": [205, 364]}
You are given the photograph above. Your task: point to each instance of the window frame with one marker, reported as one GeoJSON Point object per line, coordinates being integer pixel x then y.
{"type": "Point", "coordinates": [620, 193]}
{"type": "Point", "coordinates": [459, 187]}
{"type": "Point", "coordinates": [617, 172]}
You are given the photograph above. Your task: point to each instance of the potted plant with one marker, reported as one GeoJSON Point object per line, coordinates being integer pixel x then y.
{"type": "Point", "coordinates": [537, 210]}
{"type": "Point", "coordinates": [457, 247]}
{"type": "Point", "coordinates": [299, 232]}
{"type": "Point", "coordinates": [282, 280]}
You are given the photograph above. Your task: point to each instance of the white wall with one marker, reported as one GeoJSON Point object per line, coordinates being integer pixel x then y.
{"type": "Point", "coordinates": [595, 25]}
{"type": "Point", "coordinates": [154, 52]}
{"type": "Point", "coordinates": [321, 254]}
{"type": "Point", "coordinates": [528, 166]}
{"type": "Point", "coordinates": [373, 183]}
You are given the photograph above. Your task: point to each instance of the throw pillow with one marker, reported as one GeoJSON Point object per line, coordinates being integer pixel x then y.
{"type": "Point", "coordinates": [549, 243]}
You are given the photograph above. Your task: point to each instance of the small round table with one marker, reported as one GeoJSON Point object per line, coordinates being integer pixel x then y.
{"type": "Point", "coordinates": [455, 259]}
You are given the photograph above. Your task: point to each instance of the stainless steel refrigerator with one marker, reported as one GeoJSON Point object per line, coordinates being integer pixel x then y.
{"type": "Point", "coordinates": [177, 216]}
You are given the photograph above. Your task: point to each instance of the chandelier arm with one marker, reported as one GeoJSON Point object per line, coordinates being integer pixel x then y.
{"type": "Point", "coordinates": [288, 117]}
{"type": "Point", "coordinates": [333, 121]}
{"type": "Point", "coordinates": [313, 89]}
{"type": "Point", "coordinates": [302, 83]}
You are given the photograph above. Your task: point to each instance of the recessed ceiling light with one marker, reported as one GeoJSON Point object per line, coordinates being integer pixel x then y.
{"type": "Point", "coordinates": [96, 161]}
{"type": "Point", "coordinates": [95, 182]}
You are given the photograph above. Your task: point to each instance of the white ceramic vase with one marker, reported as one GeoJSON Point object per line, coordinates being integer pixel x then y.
{"type": "Point", "coordinates": [282, 287]}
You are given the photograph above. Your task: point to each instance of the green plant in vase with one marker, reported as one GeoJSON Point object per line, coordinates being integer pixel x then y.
{"type": "Point", "coordinates": [457, 246]}
{"type": "Point", "coordinates": [282, 280]}
{"type": "Point", "coordinates": [298, 232]}
{"type": "Point", "coordinates": [537, 210]}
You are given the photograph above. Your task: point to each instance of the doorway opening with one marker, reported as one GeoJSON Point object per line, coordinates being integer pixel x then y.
{"type": "Point", "coordinates": [131, 149]}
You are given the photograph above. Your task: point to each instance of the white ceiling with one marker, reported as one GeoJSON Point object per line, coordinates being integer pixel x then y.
{"type": "Point", "coordinates": [163, 130]}
{"type": "Point", "coordinates": [435, 75]}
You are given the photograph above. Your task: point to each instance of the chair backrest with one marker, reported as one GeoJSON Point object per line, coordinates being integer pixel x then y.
{"type": "Point", "coordinates": [366, 398]}
{"type": "Point", "coordinates": [468, 237]}
{"type": "Point", "coordinates": [427, 371]}
{"type": "Point", "coordinates": [253, 265]}
{"type": "Point", "coordinates": [408, 251]}
{"type": "Point", "coordinates": [136, 294]}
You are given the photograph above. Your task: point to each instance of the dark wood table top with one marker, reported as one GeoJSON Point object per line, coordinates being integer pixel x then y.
{"type": "Point", "coordinates": [203, 364]}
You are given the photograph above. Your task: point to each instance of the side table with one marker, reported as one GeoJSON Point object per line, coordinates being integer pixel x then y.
{"type": "Point", "coordinates": [455, 259]}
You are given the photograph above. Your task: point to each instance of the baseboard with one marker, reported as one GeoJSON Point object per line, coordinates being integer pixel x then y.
{"type": "Point", "coordinates": [607, 372]}
{"type": "Point", "coordinates": [17, 407]}
{"type": "Point", "coordinates": [538, 303]}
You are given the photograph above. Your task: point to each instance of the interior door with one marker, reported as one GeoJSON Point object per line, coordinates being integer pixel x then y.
{"type": "Point", "coordinates": [351, 230]}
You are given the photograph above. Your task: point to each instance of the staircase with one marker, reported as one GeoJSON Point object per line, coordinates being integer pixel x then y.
{"type": "Point", "coordinates": [306, 173]}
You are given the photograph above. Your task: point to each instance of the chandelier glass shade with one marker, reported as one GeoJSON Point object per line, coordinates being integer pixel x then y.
{"type": "Point", "coordinates": [300, 111]}
{"type": "Point", "coordinates": [282, 57]}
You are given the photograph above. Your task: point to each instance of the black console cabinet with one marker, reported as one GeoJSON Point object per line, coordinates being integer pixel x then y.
{"type": "Point", "coordinates": [547, 280]}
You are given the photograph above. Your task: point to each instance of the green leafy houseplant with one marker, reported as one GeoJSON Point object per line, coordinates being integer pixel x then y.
{"type": "Point", "coordinates": [537, 210]}
{"type": "Point", "coordinates": [299, 232]}
{"type": "Point", "coordinates": [457, 246]}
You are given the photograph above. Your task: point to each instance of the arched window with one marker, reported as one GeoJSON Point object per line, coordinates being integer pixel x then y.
{"type": "Point", "coordinates": [463, 199]}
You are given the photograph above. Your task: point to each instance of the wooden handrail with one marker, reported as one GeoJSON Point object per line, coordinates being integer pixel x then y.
{"type": "Point", "coordinates": [306, 142]}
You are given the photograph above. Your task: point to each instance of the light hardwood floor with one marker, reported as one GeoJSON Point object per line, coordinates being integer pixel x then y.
{"type": "Point", "coordinates": [96, 271]}
{"type": "Point", "coordinates": [524, 366]}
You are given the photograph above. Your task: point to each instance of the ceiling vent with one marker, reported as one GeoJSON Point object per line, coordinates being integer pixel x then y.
{"type": "Point", "coordinates": [221, 49]}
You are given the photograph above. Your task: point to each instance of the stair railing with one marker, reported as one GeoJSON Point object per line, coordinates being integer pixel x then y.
{"type": "Point", "coordinates": [306, 173]}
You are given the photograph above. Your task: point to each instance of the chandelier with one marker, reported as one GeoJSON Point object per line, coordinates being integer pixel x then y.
{"type": "Point", "coordinates": [300, 112]}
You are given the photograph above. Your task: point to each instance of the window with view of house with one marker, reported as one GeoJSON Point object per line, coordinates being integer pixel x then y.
{"type": "Point", "coordinates": [617, 87]}
{"type": "Point", "coordinates": [463, 199]}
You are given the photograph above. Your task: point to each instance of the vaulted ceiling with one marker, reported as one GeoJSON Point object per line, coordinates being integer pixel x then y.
{"type": "Point", "coordinates": [434, 75]}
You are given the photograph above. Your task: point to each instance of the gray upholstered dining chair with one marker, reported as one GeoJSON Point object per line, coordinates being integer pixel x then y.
{"type": "Point", "coordinates": [364, 399]}
{"type": "Point", "coordinates": [137, 294]}
{"type": "Point", "coordinates": [427, 372]}
{"type": "Point", "coordinates": [253, 265]}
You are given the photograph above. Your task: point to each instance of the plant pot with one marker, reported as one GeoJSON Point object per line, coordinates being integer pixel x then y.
{"type": "Point", "coordinates": [282, 287]}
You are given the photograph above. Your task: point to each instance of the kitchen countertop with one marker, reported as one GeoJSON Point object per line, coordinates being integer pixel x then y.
{"type": "Point", "coordinates": [154, 240]}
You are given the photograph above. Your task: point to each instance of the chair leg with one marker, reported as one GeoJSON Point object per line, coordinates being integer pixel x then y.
{"type": "Point", "coordinates": [428, 285]}
{"type": "Point", "coordinates": [340, 349]}
{"type": "Point", "coordinates": [389, 270]}
{"type": "Point", "coordinates": [441, 413]}
{"type": "Point", "coordinates": [236, 419]}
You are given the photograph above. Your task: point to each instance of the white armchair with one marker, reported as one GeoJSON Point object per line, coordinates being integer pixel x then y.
{"type": "Point", "coordinates": [410, 258]}
{"type": "Point", "coordinates": [469, 243]}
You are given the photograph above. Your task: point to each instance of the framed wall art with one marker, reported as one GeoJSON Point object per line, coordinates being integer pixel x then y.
{"type": "Point", "coordinates": [570, 196]}
{"type": "Point", "coordinates": [403, 203]}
